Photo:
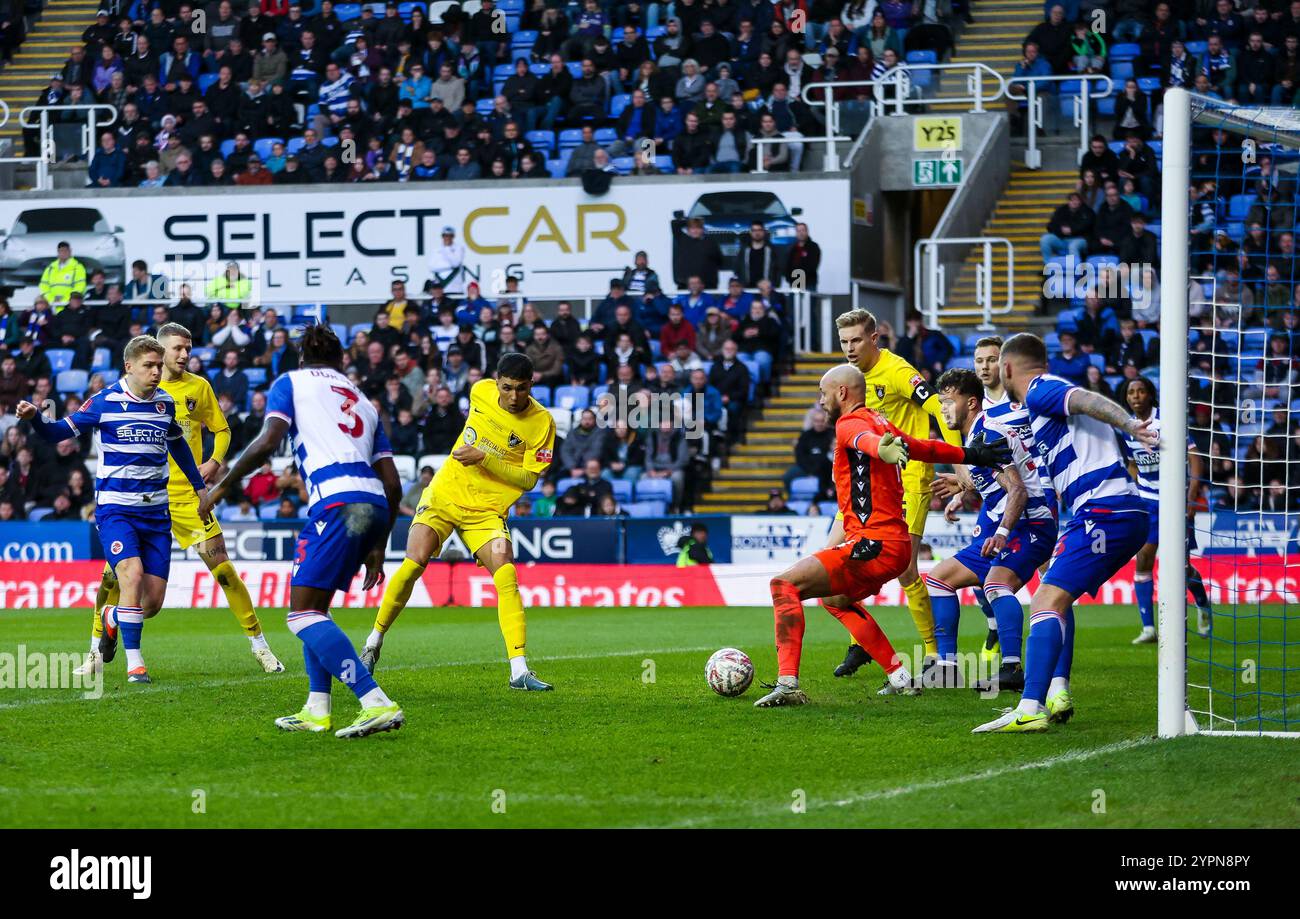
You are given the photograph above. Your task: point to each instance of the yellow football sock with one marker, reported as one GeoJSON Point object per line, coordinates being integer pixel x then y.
{"type": "Point", "coordinates": [241, 604]}
{"type": "Point", "coordinates": [510, 610]}
{"type": "Point", "coordinates": [918, 602]}
{"type": "Point", "coordinates": [109, 594]}
{"type": "Point", "coordinates": [397, 594]}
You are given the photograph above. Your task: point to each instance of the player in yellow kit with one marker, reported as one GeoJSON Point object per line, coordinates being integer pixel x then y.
{"type": "Point", "coordinates": [196, 408]}
{"type": "Point", "coordinates": [900, 393]}
{"type": "Point", "coordinates": [505, 446]}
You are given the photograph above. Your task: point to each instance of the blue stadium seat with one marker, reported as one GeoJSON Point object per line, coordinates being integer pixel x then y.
{"type": "Point", "coordinates": [755, 372]}
{"type": "Point", "coordinates": [605, 136]}
{"type": "Point", "coordinates": [1239, 206]}
{"type": "Point", "coordinates": [503, 72]}
{"type": "Point", "coordinates": [110, 376]}
{"type": "Point", "coordinates": [262, 146]}
{"type": "Point", "coordinates": [71, 381]}
{"type": "Point", "coordinates": [962, 363]}
{"type": "Point", "coordinates": [256, 375]}
{"type": "Point", "coordinates": [1148, 84]}
{"type": "Point", "coordinates": [622, 490]}
{"type": "Point", "coordinates": [624, 165]}
{"type": "Point", "coordinates": [642, 509]}
{"type": "Point", "coordinates": [565, 484]}
{"type": "Point", "coordinates": [955, 341]}
{"type": "Point", "coordinates": [207, 355]}
{"type": "Point", "coordinates": [555, 168]}
{"type": "Point", "coordinates": [348, 11]}
{"type": "Point", "coordinates": [597, 392]}
{"type": "Point", "coordinates": [654, 489]}
{"type": "Point", "coordinates": [212, 372]}
{"type": "Point", "coordinates": [511, 7]}
{"type": "Point", "coordinates": [575, 69]}
{"type": "Point", "coordinates": [799, 507]}
{"type": "Point", "coordinates": [618, 103]}
{"type": "Point", "coordinates": [1121, 70]}
{"type": "Point", "coordinates": [1106, 106]}
{"type": "Point", "coordinates": [60, 359]}
{"type": "Point", "coordinates": [206, 80]}
{"type": "Point", "coordinates": [921, 57]}
{"type": "Point", "coordinates": [102, 360]}
{"type": "Point", "coordinates": [524, 38]}
{"type": "Point", "coordinates": [804, 488]}
{"type": "Point", "coordinates": [653, 33]}
{"type": "Point", "coordinates": [828, 508]}
{"type": "Point", "coordinates": [543, 395]}
{"type": "Point", "coordinates": [404, 9]}
{"type": "Point", "coordinates": [1196, 47]}
{"type": "Point", "coordinates": [539, 70]}
{"type": "Point", "coordinates": [39, 513]}
{"type": "Point", "coordinates": [542, 140]}
{"type": "Point", "coordinates": [268, 511]}
{"type": "Point", "coordinates": [359, 327]}
{"type": "Point", "coordinates": [294, 145]}
{"type": "Point", "coordinates": [570, 138]}
{"type": "Point", "coordinates": [1116, 147]}
{"type": "Point", "coordinates": [1125, 51]}
{"type": "Point", "coordinates": [227, 148]}
{"type": "Point", "coordinates": [572, 397]}
{"type": "Point", "coordinates": [341, 332]}
{"type": "Point", "coordinates": [656, 349]}
{"type": "Point", "coordinates": [330, 141]}
{"type": "Point", "coordinates": [483, 106]}
{"type": "Point", "coordinates": [664, 163]}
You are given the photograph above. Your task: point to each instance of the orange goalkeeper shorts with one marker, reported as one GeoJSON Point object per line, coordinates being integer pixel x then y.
{"type": "Point", "coordinates": [862, 577]}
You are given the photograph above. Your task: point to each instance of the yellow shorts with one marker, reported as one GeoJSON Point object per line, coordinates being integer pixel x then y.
{"type": "Point", "coordinates": [476, 527]}
{"type": "Point", "coordinates": [916, 508]}
{"type": "Point", "coordinates": [187, 527]}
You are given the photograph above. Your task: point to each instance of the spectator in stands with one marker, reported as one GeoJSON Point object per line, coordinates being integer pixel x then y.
{"type": "Point", "coordinates": [443, 423]}
{"type": "Point", "coordinates": [62, 277]}
{"type": "Point", "coordinates": [732, 379]}
{"type": "Point", "coordinates": [1113, 220]}
{"type": "Point", "coordinates": [623, 455]}
{"type": "Point", "coordinates": [1096, 325]}
{"type": "Point", "coordinates": [584, 362]}
{"type": "Point", "coordinates": [712, 332]}
{"type": "Point", "coordinates": [1087, 49]}
{"type": "Point", "coordinates": [666, 457]}
{"type": "Point", "coordinates": [1132, 112]}
{"type": "Point", "coordinates": [758, 259]}
{"type": "Point", "coordinates": [583, 444]}
{"type": "Point", "coordinates": [776, 504]}
{"type": "Point", "coordinates": [547, 357]}
{"type": "Point", "coordinates": [1069, 362]}
{"type": "Point", "coordinates": [1127, 346]}
{"type": "Point", "coordinates": [676, 330]}
{"type": "Point", "coordinates": [697, 255]}
{"type": "Point", "coordinates": [584, 497]}
{"type": "Point", "coordinates": [1068, 231]}
{"type": "Point", "coordinates": [231, 381]}
{"type": "Point", "coordinates": [109, 165]}
{"type": "Point", "coordinates": [759, 334]}
{"type": "Point", "coordinates": [923, 348]}
{"type": "Point", "coordinates": [1053, 37]}
{"type": "Point", "coordinates": [1139, 247]}
{"type": "Point", "coordinates": [692, 148]}
{"type": "Point", "coordinates": [813, 452]}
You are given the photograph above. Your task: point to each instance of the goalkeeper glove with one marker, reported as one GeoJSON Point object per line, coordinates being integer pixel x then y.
{"type": "Point", "coordinates": [892, 450]}
{"type": "Point", "coordinates": [981, 453]}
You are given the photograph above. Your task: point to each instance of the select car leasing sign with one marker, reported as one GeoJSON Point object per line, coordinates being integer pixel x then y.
{"type": "Point", "coordinates": [351, 243]}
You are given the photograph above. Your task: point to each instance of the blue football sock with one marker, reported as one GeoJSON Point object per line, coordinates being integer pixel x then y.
{"type": "Point", "coordinates": [947, 612]}
{"type": "Point", "coordinates": [1011, 622]}
{"type": "Point", "coordinates": [1065, 660]}
{"type": "Point", "coordinates": [1197, 588]}
{"type": "Point", "coordinates": [335, 653]}
{"type": "Point", "coordinates": [1044, 647]}
{"type": "Point", "coordinates": [130, 623]}
{"type": "Point", "coordinates": [1145, 591]}
{"type": "Point", "coordinates": [318, 675]}
{"type": "Point", "coordinates": [983, 601]}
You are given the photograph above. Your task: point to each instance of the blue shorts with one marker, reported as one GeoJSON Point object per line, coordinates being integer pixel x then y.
{"type": "Point", "coordinates": [1028, 546]}
{"type": "Point", "coordinates": [1153, 529]}
{"type": "Point", "coordinates": [1093, 546]}
{"type": "Point", "coordinates": [335, 542]}
{"type": "Point", "coordinates": [125, 533]}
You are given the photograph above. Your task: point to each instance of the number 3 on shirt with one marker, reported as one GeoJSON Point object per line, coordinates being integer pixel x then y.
{"type": "Point", "coordinates": [349, 400]}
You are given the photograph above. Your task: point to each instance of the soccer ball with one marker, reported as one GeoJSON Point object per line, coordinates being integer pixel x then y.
{"type": "Point", "coordinates": [729, 672]}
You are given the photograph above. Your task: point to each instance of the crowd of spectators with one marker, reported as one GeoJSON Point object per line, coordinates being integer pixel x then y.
{"type": "Point", "coordinates": [649, 387]}
{"type": "Point", "coordinates": [267, 92]}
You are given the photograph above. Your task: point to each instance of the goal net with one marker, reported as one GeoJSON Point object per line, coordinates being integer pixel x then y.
{"type": "Point", "coordinates": [1230, 404]}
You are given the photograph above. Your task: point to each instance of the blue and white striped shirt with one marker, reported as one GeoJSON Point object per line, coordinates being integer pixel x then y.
{"type": "Point", "coordinates": [1081, 452]}
{"type": "Point", "coordinates": [135, 437]}
{"type": "Point", "coordinates": [985, 479]}
{"type": "Point", "coordinates": [1015, 416]}
{"type": "Point", "coordinates": [336, 434]}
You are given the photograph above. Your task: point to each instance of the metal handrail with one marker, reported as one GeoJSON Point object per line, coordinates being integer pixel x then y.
{"type": "Point", "coordinates": [898, 76]}
{"type": "Point", "coordinates": [926, 264]}
{"type": "Point", "coordinates": [42, 124]}
{"type": "Point", "coordinates": [42, 162]}
{"type": "Point", "coordinates": [1082, 111]}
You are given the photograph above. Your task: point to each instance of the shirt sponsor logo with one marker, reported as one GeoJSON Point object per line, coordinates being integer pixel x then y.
{"type": "Point", "coordinates": [140, 434]}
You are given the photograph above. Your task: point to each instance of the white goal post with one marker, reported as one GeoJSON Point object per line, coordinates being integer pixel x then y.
{"type": "Point", "coordinates": [1182, 110]}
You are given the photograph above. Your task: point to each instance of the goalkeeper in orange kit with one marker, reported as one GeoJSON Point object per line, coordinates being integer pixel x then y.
{"type": "Point", "coordinates": [869, 456]}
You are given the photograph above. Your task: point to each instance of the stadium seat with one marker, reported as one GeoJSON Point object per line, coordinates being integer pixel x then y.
{"type": "Point", "coordinates": [1197, 48]}
{"type": "Point", "coordinates": [509, 7]}
{"type": "Point", "coordinates": [828, 508]}
{"type": "Point", "coordinates": [256, 375]}
{"type": "Point", "coordinates": [542, 140]}
{"type": "Point", "coordinates": [348, 11]}
{"type": "Point", "coordinates": [654, 489]}
{"type": "Point", "coordinates": [799, 507]}
{"type": "Point", "coordinates": [539, 70]}
{"type": "Point", "coordinates": [294, 145]}
{"type": "Point", "coordinates": [543, 395]}
{"type": "Point", "coordinates": [1239, 206]}
{"type": "Point", "coordinates": [572, 397]}
{"type": "Point", "coordinates": [102, 360]}
{"type": "Point", "coordinates": [1106, 106]}
{"type": "Point", "coordinates": [643, 509]}
{"type": "Point", "coordinates": [624, 165]}
{"type": "Point", "coordinates": [804, 488]}
{"type": "Point", "coordinates": [555, 168]}
{"type": "Point", "coordinates": [483, 106]}
{"type": "Point", "coordinates": [565, 484]}
{"type": "Point", "coordinates": [39, 513]}
{"type": "Point", "coordinates": [664, 163]}
{"type": "Point", "coordinates": [921, 57]}
{"type": "Point", "coordinates": [206, 80]}
{"type": "Point", "coordinates": [964, 362]}
{"type": "Point", "coordinates": [618, 103]}
{"type": "Point", "coordinates": [622, 490]}
{"type": "Point", "coordinates": [262, 146]}
{"type": "Point", "coordinates": [359, 327]}
{"type": "Point", "coordinates": [341, 332]}
{"type": "Point", "coordinates": [524, 38]}
{"type": "Point", "coordinates": [1125, 51]}
{"type": "Point", "coordinates": [575, 69]}
{"type": "Point", "coordinates": [1121, 70]}
{"type": "Point", "coordinates": [652, 33]}
{"type": "Point", "coordinates": [405, 467]}
{"type": "Point", "coordinates": [404, 9]}
{"type": "Point", "coordinates": [268, 511]}
{"type": "Point", "coordinates": [503, 72]}
{"type": "Point", "coordinates": [605, 136]}
{"type": "Point", "coordinates": [1148, 84]}
{"type": "Point", "coordinates": [435, 460]}
{"type": "Point", "coordinates": [955, 341]}
{"type": "Point", "coordinates": [110, 376]}
{"type": "Point", "coordinates": [570, 138]}
{"type": "Point", "coordinates": [60, 359]}
{"type": "Point", "coordinates": [71, 381]}
{"type": "Point", "coordinates": [563, 420]}
{"type": "Point", "coordinates": [329, 141]}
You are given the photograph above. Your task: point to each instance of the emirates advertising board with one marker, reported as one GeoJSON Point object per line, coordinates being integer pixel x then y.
{"type": "Point", "coordinates": [351, 242]}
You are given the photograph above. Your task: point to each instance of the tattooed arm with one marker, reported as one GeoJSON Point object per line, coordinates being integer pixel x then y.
{"type": "Point", "coordinates": [1095, 405]}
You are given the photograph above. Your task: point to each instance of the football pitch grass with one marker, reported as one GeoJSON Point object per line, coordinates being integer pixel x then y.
{"type": "Point", "coordinates": [632, 736]}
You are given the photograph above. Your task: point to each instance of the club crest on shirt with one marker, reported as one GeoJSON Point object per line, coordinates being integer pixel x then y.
{"type": "Point", "coordinates": [160, 408]}
{"type": "Point", "coordinates": [116, 547]}
{"type": "Point", "coordinates": [190, 405]}
{"type": "Point", "coordinates": [515, 442]}
{"type": "Point", "coordinates": [880, 392]}
{"type": "Point", "coordinates": [469, 436]}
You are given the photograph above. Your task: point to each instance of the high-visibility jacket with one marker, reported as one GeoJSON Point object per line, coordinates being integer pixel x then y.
{"type": "Point", "coordinates": [232, 294]}
{"type": "Point", "coordinates": [59, 282]}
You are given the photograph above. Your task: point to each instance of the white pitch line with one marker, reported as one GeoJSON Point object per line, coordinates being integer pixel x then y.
{"type": "Point", "coordinates": [1059, 759]}
{"type": "Point", "coordinates": [77, 695]}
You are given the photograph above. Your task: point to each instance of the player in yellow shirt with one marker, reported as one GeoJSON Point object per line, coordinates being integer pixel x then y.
{"type": "Point", "coordinates": [897, 390]}
{"type": "Point", "coordinates": [505, 446]}
{"type": "Point", "coordinates": [196, 408]}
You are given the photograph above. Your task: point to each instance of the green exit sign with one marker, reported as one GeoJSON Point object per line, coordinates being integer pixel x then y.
{"type": "Point", "coordinates": [937, 173]}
